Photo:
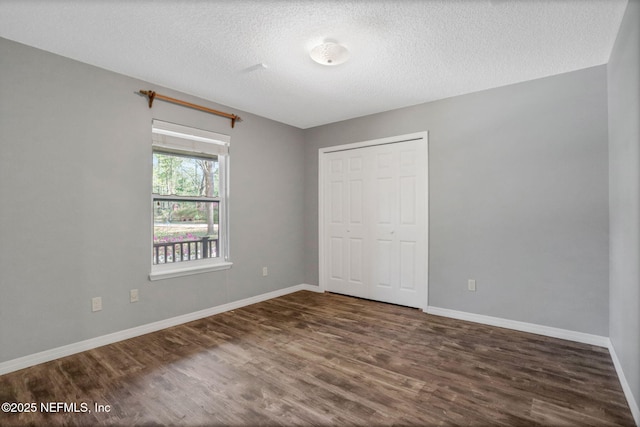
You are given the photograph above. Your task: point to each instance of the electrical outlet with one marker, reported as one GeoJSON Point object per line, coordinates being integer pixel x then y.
{"type": "Point", "coordinates": [472, 285]}
{"type": "Point", "coordinates": [265, 272]}
{"type": "Point", "coordinates": [96, 304]}
{"type": "Point", "coordinates": [133, 295]}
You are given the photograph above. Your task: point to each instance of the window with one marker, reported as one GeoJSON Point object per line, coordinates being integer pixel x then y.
{"type": "Point", "coordinates": [190, 233]}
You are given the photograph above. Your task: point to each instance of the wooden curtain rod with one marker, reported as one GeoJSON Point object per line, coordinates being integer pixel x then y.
{"type": "Point", "coordinates": [152, 95]}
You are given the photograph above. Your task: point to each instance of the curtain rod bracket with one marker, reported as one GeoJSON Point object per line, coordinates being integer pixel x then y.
{"type": "Point", "coordinates": [153, 95]}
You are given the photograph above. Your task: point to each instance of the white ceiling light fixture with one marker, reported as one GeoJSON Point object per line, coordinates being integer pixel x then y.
{"type": "Point", "coordinates": [330, 53]}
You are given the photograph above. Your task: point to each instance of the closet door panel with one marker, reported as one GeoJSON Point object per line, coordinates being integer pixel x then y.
{"type": "Point", "coordinates": [411, 229]}
{"type": "Point", "coordinates": [345, 199]}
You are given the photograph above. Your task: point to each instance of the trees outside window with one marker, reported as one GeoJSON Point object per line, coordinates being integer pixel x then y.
{"type": "Point", "coordinates": [186, 211]}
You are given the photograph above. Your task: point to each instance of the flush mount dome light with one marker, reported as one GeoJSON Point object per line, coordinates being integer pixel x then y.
{"type": "Point", "coordinates": [329, 53]}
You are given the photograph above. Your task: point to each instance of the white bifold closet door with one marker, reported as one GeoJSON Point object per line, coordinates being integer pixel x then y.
{"type": "Point", "coordinates": [374, 233]}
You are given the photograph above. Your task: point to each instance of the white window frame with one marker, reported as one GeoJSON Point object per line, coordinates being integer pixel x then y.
{"type": "Point", "coordinates": [178, 139]}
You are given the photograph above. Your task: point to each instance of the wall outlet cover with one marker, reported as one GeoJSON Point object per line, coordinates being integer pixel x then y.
{"type": "Point", "coordinates": [96, 304]}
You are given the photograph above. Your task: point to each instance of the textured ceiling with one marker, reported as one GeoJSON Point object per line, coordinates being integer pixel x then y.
{"type": "Point", "coordinates": [402, 52]}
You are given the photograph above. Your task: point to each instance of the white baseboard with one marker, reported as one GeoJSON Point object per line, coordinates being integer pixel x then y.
{"type": "Point", "coordinates": [633, 404]}
{"type": "Point", "coordinates": [548, 331]}
{"type": "Point", "coordinates": [67, 350]}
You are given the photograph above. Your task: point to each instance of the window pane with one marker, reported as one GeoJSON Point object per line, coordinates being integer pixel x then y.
{"type": "Point", "coordinates": [185, 176]}
{"type": "Point", "coordinates": [185, 231]}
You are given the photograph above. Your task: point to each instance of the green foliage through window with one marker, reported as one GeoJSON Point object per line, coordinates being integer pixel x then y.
{"type": "Point", "coordinates": [185, 176]}
{"type": "Point", "coordinates": [184, 220]}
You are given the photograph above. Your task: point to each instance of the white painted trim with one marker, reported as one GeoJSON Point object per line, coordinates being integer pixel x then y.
{"type": "Point", "coordinates": [548, 331]}
{"type": "Point", "coordinates": [321, 174]}
{"type": "Point", "coordinates": [193, 142]}
{"type": "Point", "coordinates": [322, 279]}
{"type": "Point", "coordinates": [633, 405]}
{"type": "Point", "coordinates": [67, 350]}
{"type": "Point", "coordinates": [185, 139]}
{"type": "Point", "coordinates": [389, 140]}
{"type": "Point", "coordinates": [168, 271]}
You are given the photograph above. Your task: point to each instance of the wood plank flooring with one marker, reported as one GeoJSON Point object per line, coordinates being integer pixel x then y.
{"type": "Point", "coordinates": [326, 359]}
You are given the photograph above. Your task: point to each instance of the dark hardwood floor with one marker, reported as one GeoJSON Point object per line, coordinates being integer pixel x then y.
{"type": "Point", "coordinates": [326, 359]}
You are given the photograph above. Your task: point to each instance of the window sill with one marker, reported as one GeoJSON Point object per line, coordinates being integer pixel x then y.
{"type": "Point", "coordinates": [168, 271]}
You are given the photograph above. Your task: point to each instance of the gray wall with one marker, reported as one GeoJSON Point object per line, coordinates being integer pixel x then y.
{"type": "Point", "coordinates": [624, 196]}
{"type": "Point", "coordinates": [518, 198]}
{"type": "Point", "coordinates": [75, 220]}
{"type": "Point", "coordinates": [518, 201]}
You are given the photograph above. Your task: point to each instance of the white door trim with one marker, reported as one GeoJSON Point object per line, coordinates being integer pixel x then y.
{"type": "Point", "coordinates": [321, 175]}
